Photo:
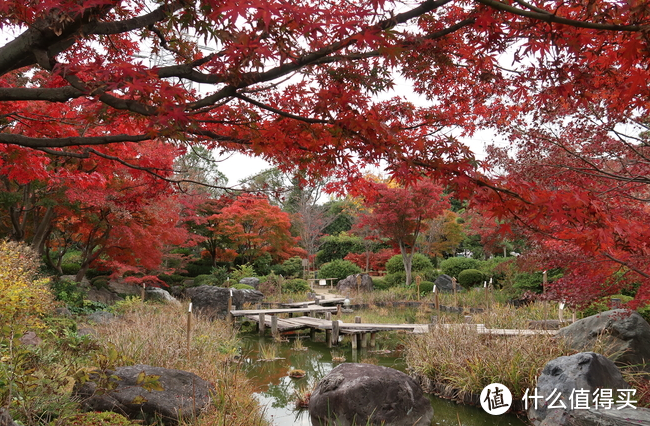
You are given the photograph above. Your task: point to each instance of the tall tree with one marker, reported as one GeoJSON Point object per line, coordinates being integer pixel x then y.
{"type": "Point", "coordinates": [401, 215]}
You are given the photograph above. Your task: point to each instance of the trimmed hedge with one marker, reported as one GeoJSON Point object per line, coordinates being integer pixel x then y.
{"type": "Point", "coordinates": [470, 278]}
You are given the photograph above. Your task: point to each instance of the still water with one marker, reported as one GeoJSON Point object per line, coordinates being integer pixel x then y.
{"type": "Point", "coordinates": [279, 393]}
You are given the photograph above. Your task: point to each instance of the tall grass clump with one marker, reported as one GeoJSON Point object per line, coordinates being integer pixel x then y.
{"type": "Point", "coordinates": [461, 362]}
{"type": "Point", "coordinates": [155, 334]}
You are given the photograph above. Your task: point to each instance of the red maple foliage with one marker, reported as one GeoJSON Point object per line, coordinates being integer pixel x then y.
{"type": "Point", "coordinates": [297, 83]}
{"type": "Point", "coordinates": [401, 214]}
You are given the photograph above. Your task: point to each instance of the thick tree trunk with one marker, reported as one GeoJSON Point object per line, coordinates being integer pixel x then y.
{"type": "Point", "coordinates": [43, 231]}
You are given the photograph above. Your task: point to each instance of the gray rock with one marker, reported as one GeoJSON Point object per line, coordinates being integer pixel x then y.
{"type": "Point", "coordinates": [63, 312]}
{"type": "Point", "coordinates": [185, 394]}
{"type": "Point", "coordinates": [251, 281]}
{"type": "Point", "coordinates": [101, 317]}
{"type": "Point", "coordinates": [444, 284]}
{"type": "Point", "coordinates": [586, 370]}
{"type": "Point", "coordinates": [156, 293]}
{"type": "Point", "coordinates": [31, 339]}
{"type": "Point", "coordinates": [102, 295]}
{"type": "Point", "coordinates": [350, 284]}
{"type": "Point", "coordinates": [213, 301]}
{"type": "Point", "coordinates": [591, 417]}
{"type": "Point", "coordinates": [365, 394]}
{"type": "Point", "coordinates": [625, 335]}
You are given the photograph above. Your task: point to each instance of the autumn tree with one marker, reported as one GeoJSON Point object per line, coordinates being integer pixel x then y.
{"type": "Point", "coordinates": [401, 215]}
{"type": "Point", "coordinates": [255, 228]}
{"type": "Point", "coordinates": [298, 83]}
{"type": "Point", "coordinates": [443, 236]}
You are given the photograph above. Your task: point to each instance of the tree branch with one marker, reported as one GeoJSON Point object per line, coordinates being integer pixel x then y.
{"type": "Point", "coordinates": [552, 18]}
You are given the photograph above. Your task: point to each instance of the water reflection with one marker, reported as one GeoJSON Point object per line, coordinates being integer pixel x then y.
{"type": "Point", "coordinates": [279, 393]}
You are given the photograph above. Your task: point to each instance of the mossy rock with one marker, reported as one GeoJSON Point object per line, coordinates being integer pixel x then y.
{"type": "Point", "coordinates": [96, 419]}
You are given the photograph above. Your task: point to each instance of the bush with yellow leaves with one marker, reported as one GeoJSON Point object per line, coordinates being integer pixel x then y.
{"type": "Point", "coordinates": [24, 298]}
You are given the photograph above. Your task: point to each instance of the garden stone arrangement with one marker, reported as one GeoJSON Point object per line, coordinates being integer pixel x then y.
{"type": "Point", "coordinates": [177, 395]}
{"type": "Point", "coordinates": [585, 371]}
{"type": "Point", "coordinates": [624, 334]}
{"type": "Point", "coordinates": [367, 394]}
{"type": "Point", "coordinates": [213, 301]}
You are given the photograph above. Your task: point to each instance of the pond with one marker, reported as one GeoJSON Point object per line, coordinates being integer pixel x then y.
{"type": "Point", "coordinates": [279, 393]}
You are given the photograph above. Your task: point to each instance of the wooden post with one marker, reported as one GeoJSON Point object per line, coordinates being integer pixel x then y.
{"type": "Point", "coordinates": [418, 280]}
{"type": "Point", "coordinates": [328, 333]}
{"type": "Point", "coordinates": [453, 285]}
{"type": "Point", "coordinates": [274, 325]}
{"type": "Point", "coordinates": [487, 295]}
{"type": "Point", "coordinates": [229, 314]}
{"type": "Point", "coordinates": [335, 333]}
{"type": "Point", "coordinates": [364, 340]}
{"type": "Point", "coordinates": [357, 320]}
{"type": "Point", "coordinates": [312, 334]}
{"type": "Point", "coordinates": [262, 324]}
{"type": "Point", "coordinates": [189, 328]}
{"type": "Point", "coordinates": [142, 292]}
{"type": "Point", "coordinates": [338, 309]}
{"type": "Point", "coordinates": [373, 341]}
{"type": "Point", "coordinates": [436, 299]}
{"type": "Point", "coordinates": [354, 341]}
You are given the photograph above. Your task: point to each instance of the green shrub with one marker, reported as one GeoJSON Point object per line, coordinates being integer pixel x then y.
{"type": "Point", "coordinates": [470, 278]}
{"type": "Point", "coordinates": [70, 268]}
{"type": "Point", "coordinates": [262, 265]}
{"type": "Point", "coordinates": [292, 267]}
{"type": "Point", "coordinates": [338, 246]}
{"type": "Point", "coordinates": [379, 284]}
{"type": "Point", "coordinates": [295, 285]}
{"type": "Point", "coordinates": [171, 279]}
{"type": "Point", "coordinates": [396, 279]}
{"type": "Point", "coordinates": [198, 267]}
{"type": "Point", "coordinates": [339, 269]}
{"type": "Point", "coordinates": [242, 271]}
{"type": "Point", "coordinates": [206, 279]}
{"type": "Point", "coordinates": [220, 274]}
{"type": "Point", "coordinates": [68, 292]}
{"type": "Point", "coordinates": [604, 304]}
{"type": "Point", "coordinates": [271, 284]}
{"type": "Point", "coordinates": [419, 262]}
{"type": "Point", "coordinates": [455, 265]}
{"type": "Point", "coordinates": [243, 287]}
{"type": "Point", "coordinates": [425, 286]}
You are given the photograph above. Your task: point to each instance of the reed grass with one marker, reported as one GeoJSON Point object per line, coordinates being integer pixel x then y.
{"type": "Point", "coordinates": [156, 334]}
{"type": "Point", "coordinates": [463, 362]}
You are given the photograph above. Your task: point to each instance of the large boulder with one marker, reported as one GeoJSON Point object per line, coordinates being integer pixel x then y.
{"type": "Point", "coordinates": [251, 281]}
{"type": "Point", "coordinates": [624, 334]}
{"type": "Point", "coordinates": [444, 284]}
{"type": "Point", "coordinates": [213, 301]}
{"type": "Point", "coordinates": [185, 394]}
{"type": "Point", "coordinates": [352, 283]}
{"type": "Point", "coordinates": [365, 394]}
{"type": "Point", "coordinates": [156, 293]}
{"type": "Point", "coordinates": [584, 372]}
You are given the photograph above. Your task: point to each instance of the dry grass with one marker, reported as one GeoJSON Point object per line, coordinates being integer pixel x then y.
{"type": "Point", "coordinates": [461, 360]}
{"type": "Point", "coordinates": [156, 334]}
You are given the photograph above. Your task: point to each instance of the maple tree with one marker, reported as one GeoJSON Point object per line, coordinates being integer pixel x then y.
{"type": "Point", "coordinates": [401, 215]}
{"type": "Point", "coordinates": [298, 83]}
{"type": "Point", "coordinates": [116, 215]}
{"type": "Point", "coordinates": [255, 227]}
